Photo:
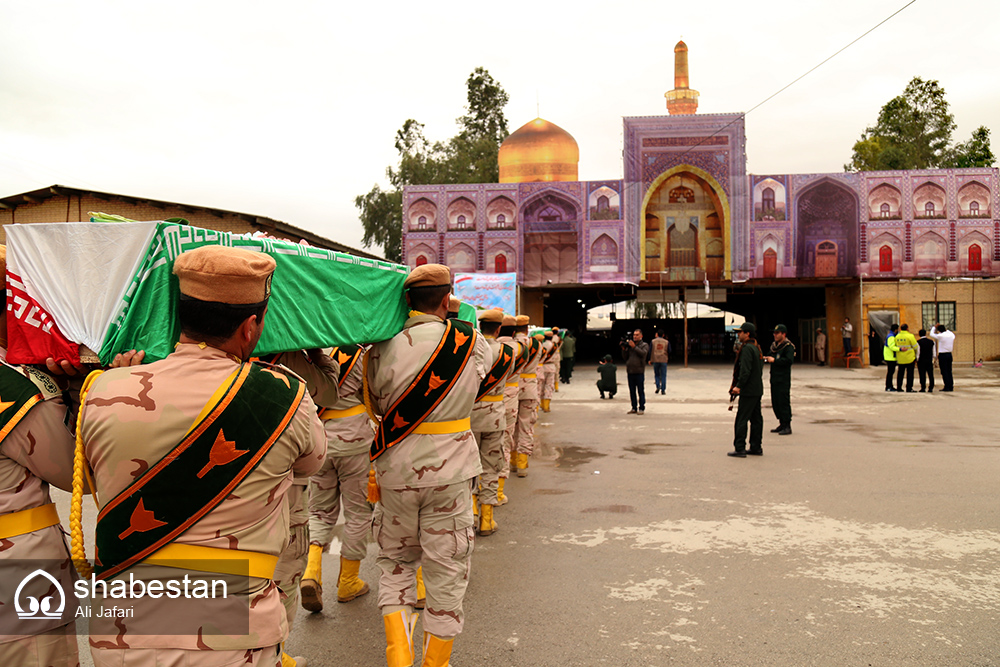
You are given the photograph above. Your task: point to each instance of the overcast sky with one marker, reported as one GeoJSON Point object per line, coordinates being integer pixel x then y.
{"type": "Point", "coordinates": [289, 110]}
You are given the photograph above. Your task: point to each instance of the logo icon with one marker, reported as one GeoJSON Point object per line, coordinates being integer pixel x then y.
{"type": "Point", "coordinates": [33, 609]}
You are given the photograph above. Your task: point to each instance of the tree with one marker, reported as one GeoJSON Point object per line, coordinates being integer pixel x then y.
{"type": "Point", "coordinates": [468, 157]}
{"type": "Point", "coordinates": [913, 131]}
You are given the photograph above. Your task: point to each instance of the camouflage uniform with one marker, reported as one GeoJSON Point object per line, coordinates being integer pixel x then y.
{"type": "Point", "coordinates": [489, 424]}
{"type": "Point", "coordinates": [527, 402]}
{"type": "Point", "coordinates": [344, 475]}
{"type": "Point", "coordinates": [547, 372]}
{"type": "Point", "coordinates": [425, 513]}
{"type": "Point", "coordinates": [321, 382]}
{"type": "Point", "coordinates": [134, 416]}
{"type": "Point", "coordinates": [510, 392]}
{"type": "Point", "coordinates": [36, 453]}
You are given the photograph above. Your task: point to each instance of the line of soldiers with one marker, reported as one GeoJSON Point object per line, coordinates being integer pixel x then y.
{"type": "Point", "coordinates": [210, 456]}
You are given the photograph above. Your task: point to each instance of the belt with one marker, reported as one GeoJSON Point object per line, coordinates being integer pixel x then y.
{"type": "Point", "coordinates": [511, 384]}
{"type": "Point", "coordinates": [329, 414]}
{"type": "Point", "coordinates": [220, 561]}
{"type": "Point", "coordinates": [440, 428]}
{"type": "Point", "coordinates": [28, 521]}
{"type": "Point", "coordinates": [491, 399]}
{"type": "Point", "coordinates": [528, 376]}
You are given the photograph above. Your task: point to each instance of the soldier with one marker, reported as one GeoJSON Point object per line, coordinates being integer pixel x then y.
{"type": "Point", "coordinates": [36, 449]}
{"type": "Point", "coordinates": [546, 371]}
{"type": "Point", "coordinates": [556, 359]}
{"type": "Point", "coordinates": [527, 399]}
{"type": "Point", "coordinates": [343, 478]}
{"type": "Point", "coordinates": [320, 373]}
{"type": "Point", "coordinates": [748, 385]}
{"type": "Point", "coordinates": [454, 305]}
{"type": "Point", "coordinates": [489, 420]}
{"type": "Point", "coordinates": [232, 435]}
{"type": "Point", "coordinates": [510, 392]}
{"type": "Point", "coordinates": [781, 358]}
{"type": "Point", "coordinates": [423, 383]}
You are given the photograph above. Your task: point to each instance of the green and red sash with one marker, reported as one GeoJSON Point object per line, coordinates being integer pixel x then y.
{"type": "Point", "coordinates": [199, 473]}
{"type": "Point", "coordinates": [536, 347]}
{"type": "Point", "coordinates": [501, 368]}
{"type": "Point", "coordinates": [523, 357]}
{"type": "Point", "coordinates": [347, 356]}
{"type": "Point", "coordinates": [428, 388]}
{"type": "Point", "coordinates": [18, 395]}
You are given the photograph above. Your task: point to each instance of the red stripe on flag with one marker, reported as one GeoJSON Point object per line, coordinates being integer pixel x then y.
{"type": "Point", "coordinates": [32, 334]}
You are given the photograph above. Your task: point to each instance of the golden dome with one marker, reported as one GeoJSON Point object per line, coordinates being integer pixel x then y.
{"type": "Point", "coordinates": [539, 151]}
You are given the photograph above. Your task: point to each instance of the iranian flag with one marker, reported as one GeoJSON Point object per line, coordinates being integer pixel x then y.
{"type": "Point", "coordinates": [110, 287]}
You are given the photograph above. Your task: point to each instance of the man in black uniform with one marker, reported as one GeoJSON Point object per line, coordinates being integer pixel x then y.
{"type": "Point", "coordinates": [748, 385]}
{"type": "Point", "coordinates": [781, 357]}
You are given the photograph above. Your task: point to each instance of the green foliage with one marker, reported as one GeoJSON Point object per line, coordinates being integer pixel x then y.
{"type": "Point", "coordinates": [913, 131]}
{"type": "Point", "coordinates": [468, 157]}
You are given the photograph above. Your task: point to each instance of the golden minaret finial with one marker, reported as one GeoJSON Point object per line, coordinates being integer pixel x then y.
{"type": "Point", "coordinates": [682, 99]}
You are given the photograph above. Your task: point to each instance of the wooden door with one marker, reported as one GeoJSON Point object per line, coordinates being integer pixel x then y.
{"type": "Point", "coordinates": [826, 260]}
{"type": "Point", "coordinates": [770, 263]}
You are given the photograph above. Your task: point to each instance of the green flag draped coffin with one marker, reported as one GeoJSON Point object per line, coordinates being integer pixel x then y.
{"type": "Point", "coordinates": [110, 286]}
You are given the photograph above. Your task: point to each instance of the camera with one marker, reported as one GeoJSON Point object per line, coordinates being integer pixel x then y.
{"type": "Point", "coordinates": [626, 339]}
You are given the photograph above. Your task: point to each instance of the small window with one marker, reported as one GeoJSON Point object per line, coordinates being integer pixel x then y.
{"type": "Point", "coordinates": [975, 257]}
{"type": "Point", "coordinates": [501, 221]}
{"type": "Point", "coordinates": [422, 222]}
{"type": "Point", "coordinates": [884, 210]}
{"type": "Point", "coordinates": [885, 259]}
{"type": "Point", "coordinates": [603, 204]}
{"type": "Point", "coordinates": [929, 209]}
{"type": "Point", "coordinates": [461, 222]}
{"type": "Point", "coordinates": [974, 208]}
{"type": "Point", "coordinates": [938, 311]}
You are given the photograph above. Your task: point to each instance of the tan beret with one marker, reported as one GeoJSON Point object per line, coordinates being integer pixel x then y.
{"type": "Point", "coordinates": [548, 334]}
{"type": "Point", "coordinates": [225, 275]}
{"type": "Point", "coordinates": [492, 315]}
{"type": "Point", "coordinates": [539, 337]}
{"type": "Point", "coordinates": [509, 321]}
{"type": "Point", "coordinates": [454, 304]}
{"type": "Point", "coordinates": [428, 275]}
{"type": "Point", "coordinates": [522, 321]}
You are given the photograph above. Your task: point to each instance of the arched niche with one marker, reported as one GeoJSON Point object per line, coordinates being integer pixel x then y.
{"type": "Point", "coordinates": [604, 254]}
{"type": "Point", "coordinates": [884, 202]}
{"type": "Point", "coordinates": [929, 202]}
{"type": "Point", "coordinates": [974, 200]}
{"type": "Point", "coordinates": [604, 204]}
{"type": "Point", "coordinates": [422, 215]}
{"type": "Point", "coordinates": [550, 206]}
{"type": "Point", "coordinates": [930, 254]}
{"type": "Point", "coordinates": [769, 200]}
{"type": "Point", "coordinates": [461, 215]}
{"type": "Point", "coordinates": [501, 213]}
{"type": "Point", "coordinates": [876, 252]}
{"type": "Point", "coordinates": [461, 258]}
{"type": "Point", "coordinates": [502, 253]}
{"type": "Point", "coordinates": [421, 250]}
{"type": "Point", "coordinates": [827, 212]}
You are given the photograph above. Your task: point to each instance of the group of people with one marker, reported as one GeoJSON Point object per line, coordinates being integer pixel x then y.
{"type": "Point", "coordinates": [214, 456]}
{"type": "Point", "coordinates": [637, 355]}
{"type": "Point", "coordinates": [748, 386]}
{"type": "Point", "coordinates": [902, 352]}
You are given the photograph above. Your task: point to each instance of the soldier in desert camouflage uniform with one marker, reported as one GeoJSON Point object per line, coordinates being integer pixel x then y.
{"type": "Point", "coordinates": [36, 449]}
{"type": "Point", "coordinates": [489, 420]}
{"type": "Point", "coordinates": [547, 369]}
{"type": "Point", "coordinates": [510, 392]}
{"type": "Point", "coordinates": [527, 401]}
{"type": "Point", "coordinates": [342, 479]}
{"type": "Point", "coordinates": [426, 458]}
{"type": "Point", "coordinates": [134, 417]}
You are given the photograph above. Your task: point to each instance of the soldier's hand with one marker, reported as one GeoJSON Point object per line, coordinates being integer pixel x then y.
{"type": "Point", "coordinates": [130, 358]}
{"type": "Point", "coordinates": [735, 391]}
{"type": "Point", "coordinates": [64, 367]}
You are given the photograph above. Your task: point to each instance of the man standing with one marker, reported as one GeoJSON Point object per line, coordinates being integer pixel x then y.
{"type": "Point", "coordinates": [945, 345]}
{"type": "Point", "coordinates": [660, 354]}
{"type": "Point", "coordinates": [489, 420]}
{"type": "Point", "coordinates": [889, 351]}
{"type": "Point", "coordinates": [926, 353]}
{"type": "Point", "coordinates": [781, 357]}
{"type": "Point", "coordinates": [527, 398]}
{"type": "Point", "coordinates": [847, 331]}
{"type": "Point", "coordinates": [635, 354]}
{"type": "Point", "coordinates": [341, 482]}
{"type": "Point", "coordinates": [195, 454]}
{"type": "Point", "coordinates": [820, 347]}
{"type": "Point", "coordinates": [748, 385]}
{"type": "Point", "coordinates": [423, 383]}
{"type": "Point", "coordinates": [906, 356]}
{"type": "Point", "coordinates": [568, 352]}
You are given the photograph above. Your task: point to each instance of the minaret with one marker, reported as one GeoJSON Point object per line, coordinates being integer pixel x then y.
{"type": "Point", "coordinates": [681, 100]}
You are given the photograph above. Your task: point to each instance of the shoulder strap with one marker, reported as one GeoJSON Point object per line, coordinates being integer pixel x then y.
{"type": "Point", "coordinates": [500, 370]}
{"type": "Point", "coordinates": [347, 356]}
{"type": "Point", "coordinates": [428, 388]}
{"type": "Point", "coordinates": [199, 473]}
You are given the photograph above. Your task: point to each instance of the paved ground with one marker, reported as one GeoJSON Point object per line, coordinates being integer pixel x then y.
{"type": "Point", "coordinates": [871, 536]}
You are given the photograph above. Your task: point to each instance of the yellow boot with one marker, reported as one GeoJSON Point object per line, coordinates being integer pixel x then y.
{"type": "Point", "coordinates": [557, 385]}
{"type": "Point", "coordinates": [522, 464]}
{"type": "Point", "coordinates": [399, 627]}
{"type": "Point", "coordinates": [421, 590]}
{"type": "Point", "coordinates": [475, 505]}
{"type": "Point", "coordinates": [350, 585]}
{"type": "Point", "coordinates": [545, 404]}
{"type": "Point", "coordinates": [501, 498]}
{"type": "Point", "coordinates": [311, 588]}
{"type": "Point", "coordinates": [289, 661]}
{"type": "Point", "coordinates": [437, 651]}
{"type": "Point", "coordinates": [487, 526]}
